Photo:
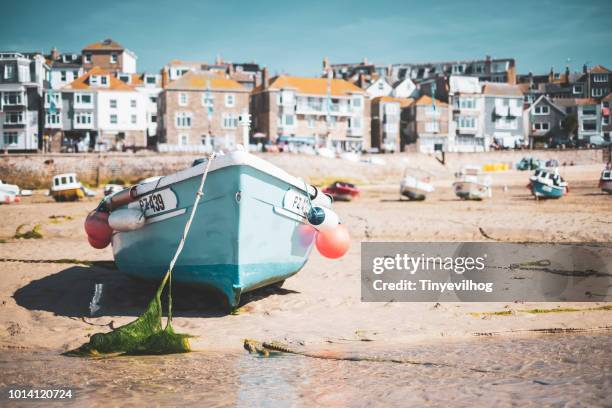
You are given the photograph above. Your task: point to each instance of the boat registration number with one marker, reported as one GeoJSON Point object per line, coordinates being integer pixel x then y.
{"type": "Point", "coordinates": [296, 202]}
{"type": "Point", "coordinates": [155, 203]}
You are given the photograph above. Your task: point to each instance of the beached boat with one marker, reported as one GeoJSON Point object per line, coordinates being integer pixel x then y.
{"type": "Point", "coordinates": [341, 191]}
{"type": "Point", "coordinates": [547, 184]}
{"type": "Point", "coordinates": [605, 181]}
{"type": "Point", "coordinates": [249, 230]}
{"type": "Point", "coordinates": [414, 189]}
{"type": "Point", "coordinates": [8, 197]}
{"type": "Point", "coordinates": [471, 184]}
{"type": "Point", "coordinates": [14, 189]}
{"type": "Point", "coordinates": [66, 187]}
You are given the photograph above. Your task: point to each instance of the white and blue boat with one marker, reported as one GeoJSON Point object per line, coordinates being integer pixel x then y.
{"type": "Point", "coordinates": [547, 184]}
{"type": "Point", "coordinates": [249, 231]}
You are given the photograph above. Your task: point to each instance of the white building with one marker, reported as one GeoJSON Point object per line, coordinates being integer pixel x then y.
{"type": "Point", "coordinates": [466, 128]}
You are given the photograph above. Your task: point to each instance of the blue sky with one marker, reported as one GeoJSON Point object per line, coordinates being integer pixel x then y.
{"type": "Point", "coordinates": [293, 37]}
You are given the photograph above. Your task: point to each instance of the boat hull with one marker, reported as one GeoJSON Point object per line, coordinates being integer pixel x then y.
{"type": "Point", "coordinates": [541, 190]}
{"type": "Point", "coordinates": [414, 195]}
{"type": "Point", "coordinates": [72, 194]}
{"type": "Point", "coordinates": [471, 191]}
{"type": "Point", "coordinates": [606, 186]}
{"type": "Point", "coordinates": [241, 238]}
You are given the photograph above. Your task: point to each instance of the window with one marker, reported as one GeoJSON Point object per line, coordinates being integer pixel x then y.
{"type": "Point", "coordinates": [12, 98]}
{"type": "Point", "coordinates": [457, 69]}
{"type": "Point", "coordinates": [151, 80]}
{"type": "Point", "coordinates": [184, 139]}
{"type": "Point", "coordinates": [153, 118]}
{"type": "Point", "coordinates": [113, 119]}
{"type": "Point", "coordinates": [183, 120]}
{"type": "Point", "coordinates": [13, 118]}
{"type": "Point", "coordinates": [134, 119]}
{"type": "Point", "coordinates": [598, 92]}
{"type": "Point", "coordinates": [468, 122]}
{"type": "Point", "coordinates": [600, 78]}
{"type": "Point", "coordinates": [355, 122]}
{"type": "Point", "coordinates": [75, 74]}
{"type": "Point", "coordinates": [87, 58]}
{"type": "Point", "coordinates": [357, 102]}
{"type": "Point", "coordinates": [381, 86]}
{"type": "Point", "coordinates": [589, 125]}
{"type": "Point", "coordinates": [83, 118]}
{"type": "Point", "coordinates": [577, 89]}
{"type": "Point", "coordinates": [53, 98]}
{"type": "Point", "coordinates": [52, 119]}
{"type": "Point", "coordinates": [125, 78]}
{"type": "Point", "coordinates": [230, 100]}
{"type": "Point", "coordinates": [132, 103]}
{"type": "Point", "coordinates": [289, 120]}
{"type": "Point", "coordinates": [467, 103]}
{"type": "Point", "coordinates": [9, 71]}
{"type": "Point", "coordinates": [432, 127]}
{"type": "Point", "coordinates": [589, 110]}
{"type": "Point", "coordinates": [207, 100]}
{"type": "Point", "coordinates": [153, 99]}
{"type": "Point", "coordinates": [113, 104]}
{"type": "Point", "coordinates": [11, 138]}
{"type": "Point", "coordinates": [332, 122]}
{"type": "Point", "coordinates": [229, 121]}
{"type": "Point", "coordinates": [605, 121]}
{"type": "Point", "coordinates": [541, 110]}
{"type": "Point", "coordinates": [183, 98]}
{"type": "Point", "coordinates": [544, 126]}
{"type": "Point", "coordinates": [82, 99]}
{"type": "Point", "coordinates": [311, 122]}
{"type": "Point", "coordinates": [104, 80]}
{"type": "Point", "coordinates": [479, 68]}
{"type": "Point", "coordinates": [63, 76]}
{"type": "Point", "coordinates": [113, 58]}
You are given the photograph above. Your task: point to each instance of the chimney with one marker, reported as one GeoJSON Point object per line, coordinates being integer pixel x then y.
{"type": "Point", "coordinates": [54, 54]}
{"type": "Point", "coordinates": [567, 75]}
{"type": "Point", "coordinates": [551, 74]}
{"type": "Point", "coordinates": [585, 69]}
{"type": "Point", "coordinates": [264, 78]}
{"type": "Point", "coordinates": [365, 61]}
{"type": "Point", "coordinates": [361, 82]}
{"type": "Point", "coordinates": [325, 64]}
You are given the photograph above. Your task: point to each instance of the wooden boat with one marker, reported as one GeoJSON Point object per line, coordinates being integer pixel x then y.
{"type": "Point", "coordinates": [546, 183]}
{"type": "Point", "coordinates": [342, 191]}
{"type": "Point", "coordinates": [605, 181]}
{"type": "Point", "coordinates": [471, 184]}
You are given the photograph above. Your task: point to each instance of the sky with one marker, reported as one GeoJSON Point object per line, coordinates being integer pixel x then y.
{"type": "Point", "coordinates": [293, 37]}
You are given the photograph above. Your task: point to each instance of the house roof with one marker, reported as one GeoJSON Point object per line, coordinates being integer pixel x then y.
{"type": "Point", "coordinates": [312, 86]}
{"type": "Point", "coordinates": [403, 102]}
{"type": "Point", "coordinates": [82, 82]}
{"type": "Point", "coordinates": [575, 101]}
{"type": "Point", "coordinates": [198, 81]}
{"type": "Point", "coordinates": [107, 44]}
{"type": "Point", "coordinates": [608, 98]}
{"type": "Point", "coordinates": [499, 89]}
{"type": "Point", "coordinates": [600, 69]}
{"type": "Point", "coordinates": [549, 101]}
{"type": "Point", "coordinates": [428, 100]}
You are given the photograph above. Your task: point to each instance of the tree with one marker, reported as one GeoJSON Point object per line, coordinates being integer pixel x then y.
{"type": "Point", "coordinates": [570, 124]}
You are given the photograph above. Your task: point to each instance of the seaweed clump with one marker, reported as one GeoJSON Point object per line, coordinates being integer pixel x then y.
{"type": "Point", "coordinates": [34, 233]}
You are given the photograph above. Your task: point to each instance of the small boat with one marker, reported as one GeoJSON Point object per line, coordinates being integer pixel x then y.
{"type": "Point", "coordinates": [414, 189]}
{"type": "Point", "coordinates": [14, 189]}
{"type": "Point", "coordinates": [250, 229]}
{"type": "Point", "coordinates": [7, 197]}
{"type": "Point", "coordinates": [605, 181]}
{"type": "Point", "coordinates": [66, 187]}
{"type": "Point", "coordinates": [341, 191]}
{"type": "Point", "coordinates": [547, 184]}
{"type": "Point", "coordinates": [471, 184]}
{"type": "Point", "coordinates": [112, 188]}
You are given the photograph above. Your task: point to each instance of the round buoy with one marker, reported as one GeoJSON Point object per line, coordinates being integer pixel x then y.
{"type": "Point", "coordinates": [334, 242]}
{"type": "Point", "coordinates": [306, 234]}
{"type": "Point", "coordinates": [97, 229]}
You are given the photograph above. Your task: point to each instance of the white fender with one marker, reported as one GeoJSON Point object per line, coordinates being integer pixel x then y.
{"type": "Point", "coordinates": [126, 219]}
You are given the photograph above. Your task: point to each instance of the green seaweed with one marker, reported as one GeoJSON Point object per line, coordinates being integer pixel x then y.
{"type": "Point", "coordinates": [143, 336]}
{"type": "Point", "coordinates": [543, 311]}
{"type": "Point", "coordinates": [34, 233]}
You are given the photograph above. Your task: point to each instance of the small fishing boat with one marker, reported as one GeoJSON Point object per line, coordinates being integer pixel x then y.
{"type": "Point", "coordinates": [250, 228]}
{"type": "Point", "coordinates": [605, 181]}
{"type": "Point", "coordinates": [546, 183]}
{"type": "Point", "coordinates": [7, 197]}
{"type": "Point", "coordinates": [414, 189]}
{"type": "Point", "coordinates": [66, 187]}
{"type": "Point", "coordinates": [471, 184]}
{"type": "Point", "coordinates": [14, 189]}
{"type": "Point", "coordinates": [342, 191]}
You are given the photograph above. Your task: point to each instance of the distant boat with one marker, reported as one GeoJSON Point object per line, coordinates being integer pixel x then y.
{"type": "Point", "coordinates": [414, 189]}
{"type": "Point", "coordinates": [471, 184]}
{"type": "Point", "coordinates": [112, 189]}
{"type": "Point", "coordinates": [605, 181]}
{"type": "Point", "coordinates": [342, 191]}
{"type": "Point", "coordinates": [547, 184]}
{"type": "Point", "coordinates": [250, 229]}
{"type": "Point", "coordinates": [66, 187]}
{"type": "Point", "coordinates": [14, 189]}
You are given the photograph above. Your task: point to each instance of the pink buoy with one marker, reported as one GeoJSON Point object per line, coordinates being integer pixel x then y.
{"type": "Point", "coordinates": [334, 242]}
{"type": "Point", "coordinates": [306, 234]}
{"type": "Point", "coordinates": [97, 229]}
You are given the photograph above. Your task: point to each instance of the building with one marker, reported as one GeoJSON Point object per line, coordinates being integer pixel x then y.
{"type": "Point", "coordinates": [64, 68]}
{"type": "Point", "coordinates": [385, 122]}
{"type": "Point", "coordinates": [362, 74]}
{"type": "Point", "coordinates": [150, 86]}
{"type": "Point", "coordinates": [426, 125]}
{"type": "Point", "coordinates": [248, 74]}
{"type": "Point", "coordinates": [596, 82]}
{"type": "Point", "coordinates": [466, 128]}
{"type": "Point", "coordinates": [315, 111]}
{"type": "Point", "coordinates": [587, 112]}
{"type": "Point", "coordinates": [23, 79]}
{"type": "Point", "coordinates": [99, 111]}
{"type": "Point", "coordinates": [201, 111]}
{"type": "Point", "coordinates": [503, 114]}
{"type": "Point", "coordinates": [110, 56]}
{"type": "Point", "coordinates": [606, 121]}
{"type": "Point", "coordinates": [546, 123]}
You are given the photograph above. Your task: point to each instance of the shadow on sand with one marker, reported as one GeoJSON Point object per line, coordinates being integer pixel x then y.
{"type": "Point", "coordinates": [69, 293]}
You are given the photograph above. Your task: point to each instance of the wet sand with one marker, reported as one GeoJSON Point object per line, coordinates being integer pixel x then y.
{"type": "Point", "coordinates": [44, 308]}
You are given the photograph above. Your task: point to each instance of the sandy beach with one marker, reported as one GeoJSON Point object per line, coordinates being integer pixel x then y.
{"type": "Point", "coordinates": [44, 306]}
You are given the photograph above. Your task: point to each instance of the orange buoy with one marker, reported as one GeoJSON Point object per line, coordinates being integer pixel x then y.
{"type": "Point", "coordinates": [334, 242]}
{"type": "Point", "coordinates": [98, 231]}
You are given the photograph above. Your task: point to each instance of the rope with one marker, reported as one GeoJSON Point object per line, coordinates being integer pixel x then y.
{"type": "Point", "coordinates": [168, 276]}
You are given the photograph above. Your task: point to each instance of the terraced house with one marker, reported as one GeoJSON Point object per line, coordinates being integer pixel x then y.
{"type": "Point", "coordinates": [313, 111]}
{"type": "Point", "coordinates": [503, 114]}
{"type": "Point", "coordinates": [426, 125]}
{"type": "Point", "coordinates": [23, 78]}
{"type": "Point", "coordinates": [99, 111]}
{"type": "Point", "coordinates": [110, 56]}
{"type": "Point", "coordinates": [201, 111]}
